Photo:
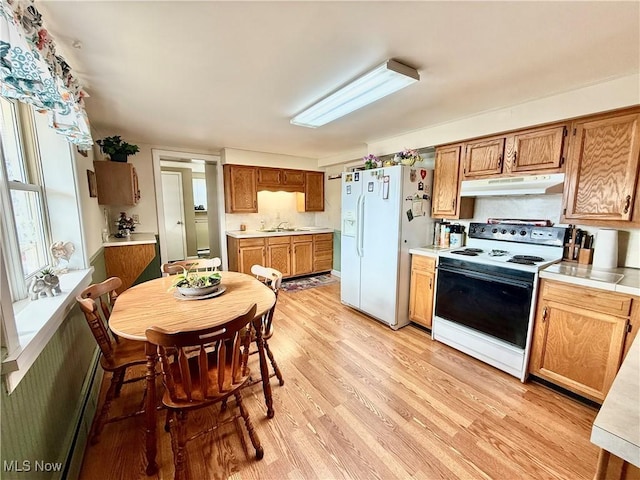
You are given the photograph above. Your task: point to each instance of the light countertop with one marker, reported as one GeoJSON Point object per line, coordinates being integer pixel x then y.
{"type": "Point", "coordinates": [616, 428]}
{"type": "Point", "coordinates": [260, 233]}
{"type": "Point", "coordinates": [620, 280]}
{"type": "Point", "coordinates": [133, 239]}
{"type": "Point", "coordinates": [428, 250]}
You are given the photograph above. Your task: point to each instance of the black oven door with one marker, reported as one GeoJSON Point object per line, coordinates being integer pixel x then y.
{"type": "Point", "coordinates": [493, 300]}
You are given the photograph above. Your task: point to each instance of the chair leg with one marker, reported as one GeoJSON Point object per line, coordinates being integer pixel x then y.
{"type": "Point", "coordinates": [273, 363]}
{"type": "Point", "coordinates": [167, 420]}
{"type": "Point", "coordinates": [255, 441]}
{"type": "Point", "coordinates": [178, 440]}
{"type": "Point", "coordinates": [120, 376]}
{"type": "Point", "coordinates": [102, 418]}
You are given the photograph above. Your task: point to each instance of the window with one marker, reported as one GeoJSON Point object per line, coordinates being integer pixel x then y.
{"type": "Point", "coordinates": [200, 193]}
{"type": "Point", "coordinates": [26, 229]}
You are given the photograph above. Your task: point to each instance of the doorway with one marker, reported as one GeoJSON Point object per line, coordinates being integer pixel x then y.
{"type": "Point", "coordinates": [202, 203]}
{"type": "Point", "coordinates": [174, 221]}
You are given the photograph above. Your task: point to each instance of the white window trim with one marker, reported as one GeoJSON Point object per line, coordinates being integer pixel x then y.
{"type": "Point", "coordinates": [37, 323]}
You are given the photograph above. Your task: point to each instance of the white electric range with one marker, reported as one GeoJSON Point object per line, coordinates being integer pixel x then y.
{"type": "Point", "coordinates": [486, 291]}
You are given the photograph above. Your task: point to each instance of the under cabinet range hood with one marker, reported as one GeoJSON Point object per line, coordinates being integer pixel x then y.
{"type": "Point", "coordinates": [523, 185]}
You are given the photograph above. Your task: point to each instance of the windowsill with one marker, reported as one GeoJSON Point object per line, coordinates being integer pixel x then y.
{"type": "Point", "coordinates": [37, 321]}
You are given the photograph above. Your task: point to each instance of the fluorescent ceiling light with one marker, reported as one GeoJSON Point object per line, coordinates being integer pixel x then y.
{"type": "Point", "coordinates": [387, 78]}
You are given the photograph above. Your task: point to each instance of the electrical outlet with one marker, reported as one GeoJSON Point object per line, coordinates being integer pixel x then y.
{"type": "Point", "coordinates": [135, 218]}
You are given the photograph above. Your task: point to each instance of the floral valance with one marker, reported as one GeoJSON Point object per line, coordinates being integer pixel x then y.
{"type": "Point", "coordinates": [32, 72]}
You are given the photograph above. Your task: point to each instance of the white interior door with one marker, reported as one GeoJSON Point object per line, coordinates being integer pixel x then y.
{"type": "Point", "coordinates": [172, 201]}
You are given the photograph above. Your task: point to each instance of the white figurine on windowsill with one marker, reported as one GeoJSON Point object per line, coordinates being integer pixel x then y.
{"type": "Point", "coordinates": [61, 253]}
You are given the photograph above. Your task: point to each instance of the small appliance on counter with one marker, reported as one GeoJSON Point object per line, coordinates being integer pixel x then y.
{"type": "Point", "coordinates": [456, 235]}
{"type": "Point", "coordinates": [440, 234]}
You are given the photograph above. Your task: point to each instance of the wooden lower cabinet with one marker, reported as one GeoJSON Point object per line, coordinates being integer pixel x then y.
{"type": "Point", "coordinates": [322, 252]}
{"type": "Point", "coordinates": [128, 262]}
{"type": "Point", "coordinates": [579, 337]}
{"type": "Point", "coordinates": [246, 252]}
{"type": "Point", "coordinates": [292, 255]}
{"type": "Point", "coordinates": [421, 290]}
{"type": "Point", "coordinates": [301, 254]}
{"type": "Point", "coordinates": [279, 254]}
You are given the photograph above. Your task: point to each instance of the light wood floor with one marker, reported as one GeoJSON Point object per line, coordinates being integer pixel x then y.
{"type": "Point", "coordinates": [363, 401]}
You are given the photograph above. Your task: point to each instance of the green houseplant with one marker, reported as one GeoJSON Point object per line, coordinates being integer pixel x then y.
{"type": "Point", "coordinates": [117, 149]}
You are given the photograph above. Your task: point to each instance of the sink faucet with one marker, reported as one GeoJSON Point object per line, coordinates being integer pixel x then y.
{"type": "Point", "coordinates": [281, 225]}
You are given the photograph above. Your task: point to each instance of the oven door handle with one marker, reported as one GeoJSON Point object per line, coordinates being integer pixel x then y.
{"type": "Point", "coordinates": [486, 277]}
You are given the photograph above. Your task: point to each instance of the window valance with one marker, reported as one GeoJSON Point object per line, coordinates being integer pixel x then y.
{"type": "Point", "coordinates": [32, 72]}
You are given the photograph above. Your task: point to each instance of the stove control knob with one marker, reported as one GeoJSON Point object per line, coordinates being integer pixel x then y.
{"type": "Point", "coordinates": [523, 232]}
{"type": "Point", "coordinates": [512, 232]}
{"type": "Point", "coordinates": [495, 230]}
{"type": "Point", "coordinates": [503, 231]}
{"type": "Point", "coordinates": [482, 230]}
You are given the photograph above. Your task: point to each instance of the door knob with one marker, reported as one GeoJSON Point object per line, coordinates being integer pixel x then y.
{"type": "Point", "coordinates": [179, 222]}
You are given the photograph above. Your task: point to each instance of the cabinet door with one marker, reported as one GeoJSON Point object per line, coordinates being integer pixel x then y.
{"type": "Point", "coordinates": [576, 348]}
{"type": "Point", "coordinates": [279, 255]}
{"type": "Point", "coordinates": [249, 256]}
{"type": "Point", "coordinates": [483, 158]}
{"type": "Point", "coordinates": [535, 150]}
{"type": "Point", "coordinates": [602, 169]}
{"type": "Point", "coordinates": [446, 183]}
{"type": "Point", "coordinates": [270, 177]}
{"type": "Point", "coordinates": [240, 189]}
{"type": "Point", "coordinates": [293, 178]}
{"type": "Point", "coordinates": [117, 183]}
{"type": "Point", "coordinates": [421, 293]}
{"type": "Point", "coordinates": [313, 192]}
{"type": "Point", "coordinates": [302, 257]}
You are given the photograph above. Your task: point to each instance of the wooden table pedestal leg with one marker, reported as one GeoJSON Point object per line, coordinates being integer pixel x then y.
{"type": "Point", "coordinates": [603, 463]}
{"type": "Point", "coordinates": [150, 410]}
{"type": "Point", "coordinates": [264, 369]}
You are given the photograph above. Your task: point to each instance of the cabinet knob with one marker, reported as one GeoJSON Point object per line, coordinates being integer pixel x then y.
{"type": "Point", "coordinates": [544, 314]}
{"type": "Point", "coordinates": [515, 157]}
{"type": "Point", "coordinates": [627, 203]}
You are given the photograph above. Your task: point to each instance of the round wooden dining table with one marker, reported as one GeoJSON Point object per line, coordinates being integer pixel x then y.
{"type": "Point", "coordinates": [155, 303]}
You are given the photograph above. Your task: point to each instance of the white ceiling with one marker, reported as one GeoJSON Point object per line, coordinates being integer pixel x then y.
{"type": "Point", "coordinates": [209, 75]}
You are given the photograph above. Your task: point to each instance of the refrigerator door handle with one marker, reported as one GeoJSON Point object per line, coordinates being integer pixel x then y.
{"type": "Point", "coordinates": [360, 227]}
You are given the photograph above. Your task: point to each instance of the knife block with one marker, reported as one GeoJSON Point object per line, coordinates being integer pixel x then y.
{"type": "Point", "coordinates": [585, 256]}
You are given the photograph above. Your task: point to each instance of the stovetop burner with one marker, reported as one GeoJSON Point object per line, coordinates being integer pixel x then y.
{"type": "Point", "coordinates": [469, 252]}
{"type": "Point", "coordinates": [525, 259]}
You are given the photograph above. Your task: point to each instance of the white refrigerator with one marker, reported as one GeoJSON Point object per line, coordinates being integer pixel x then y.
{"type": "Point", "coordinates": [385, 212]}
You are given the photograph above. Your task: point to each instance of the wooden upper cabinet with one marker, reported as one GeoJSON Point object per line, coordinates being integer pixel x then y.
{"type": "Point", "coordinates": [539, 150]}
{"type": "Point", "coordinates": [446, 185]}
{"type": "Point", "coordinates": [269, 177]}
{"type": "Point", "coordinates": [483, 157]}
{"type": "Point", "coordinates": [312, 200]}
{"type": "Point", "coordinates": [117, 183]}
{"type": "Point", "coordinates": [293, 178]}
{"type": "Point", "coordinates": [535, 151]}
{"type": "Point", "coordinates": [280, 179]}
{"type": "Point", "coordinates": [240, 189]}
{"type": "Point", "coordinates": [601, 184]}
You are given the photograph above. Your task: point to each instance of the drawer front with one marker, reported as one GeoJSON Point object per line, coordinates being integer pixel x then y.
{"type": "Point", "coordinates": [251, 242]}
{"type": "Point", "coordinates": [420, 262]}
{"type": "Point", "coordinates": [278, 240]}
{"type": "Point", "coordinates": [588, 298]}
{"type": "Point", "coordinates": [302, 238]}
{"type": "Point", "coordinates": [320, 247]}
{"type": "Point", "coordinates": [322, 265]}
{"type": "Point", "coordinates": [323, 237]}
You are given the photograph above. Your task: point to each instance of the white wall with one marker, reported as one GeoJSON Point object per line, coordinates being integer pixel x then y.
{"type": "Point", "coordinates": [617, 93]}
{"type": "Point", "coordinates": [92, 213]}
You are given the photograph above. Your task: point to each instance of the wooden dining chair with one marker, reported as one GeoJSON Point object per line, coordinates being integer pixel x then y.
{"type": "Point", "coordinates": [273, 279]}
{"type": "Point", "coordinates": [216, 372]}
{"type": "Point", "coordinates": [195, 264]}
{"type": "Point", "coordinates": [117, 354]}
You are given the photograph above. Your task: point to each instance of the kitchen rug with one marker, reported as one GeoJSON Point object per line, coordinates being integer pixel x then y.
{"type": "Point", "coordinates": [297, 284]}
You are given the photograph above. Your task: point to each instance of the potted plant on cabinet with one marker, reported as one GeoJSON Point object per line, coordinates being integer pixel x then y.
{"type": "Point", "coordinates": [117, 149]}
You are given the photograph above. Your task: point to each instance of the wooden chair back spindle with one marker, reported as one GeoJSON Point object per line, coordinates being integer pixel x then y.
{"type": "Point", "coordinates": [211, 371]}
{"type": "Point", "coordinates": [194, 265]}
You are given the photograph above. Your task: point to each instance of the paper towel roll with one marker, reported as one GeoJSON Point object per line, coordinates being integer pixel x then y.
{"type": "Point", "coordinates": [606, 249]}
